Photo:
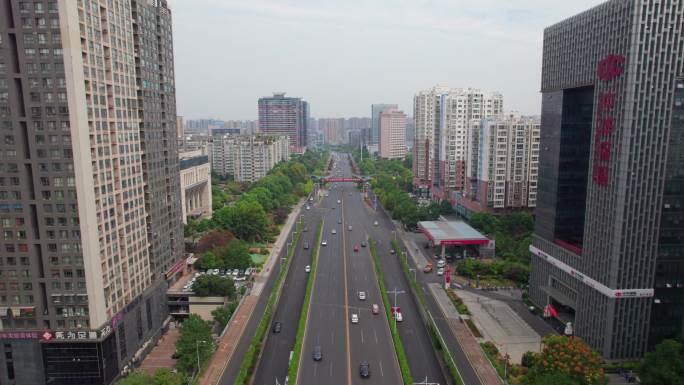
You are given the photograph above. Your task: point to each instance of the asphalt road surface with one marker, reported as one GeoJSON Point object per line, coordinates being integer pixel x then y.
{"type": "Point", "coordinates": [341, 274]}
{"type": "Point", "coordinates": [276, 353]}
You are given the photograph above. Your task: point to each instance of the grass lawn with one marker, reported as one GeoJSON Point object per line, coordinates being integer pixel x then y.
{"type": "Point", "coordinates": [258, 259]}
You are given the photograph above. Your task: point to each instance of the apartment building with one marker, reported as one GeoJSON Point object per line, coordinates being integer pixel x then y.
{"type": "Point", "coordinates": [88, 186]}
{"type": "Point", "coordinates": [392, 140]}
{"type": "Point", "coordinates": [376, 110]}
{"type": "Point", "coordinates": [281, 115]}
{"type": "Point", "coordinates": [607, 250]}
{"type": "Point", "coordinates": [502, 165]}
{"type": "Point", "coordinates": [248, 158]}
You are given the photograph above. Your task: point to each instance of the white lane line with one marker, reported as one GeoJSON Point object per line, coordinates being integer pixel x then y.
{"type": "Point", "coordinates": [361, 336]}
{"type": "Point", "coordinates": [331, 367]}
{"type": "Point", "coordinates": [332, 338]}
{"type": "Point", "coordinates": [382, 373]}
{"type": "Point", "coordinates": [376, 336]}
{"type": "Point", "coordinates": [315, 370]}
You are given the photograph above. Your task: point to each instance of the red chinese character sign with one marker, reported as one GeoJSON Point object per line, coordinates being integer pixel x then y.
{"type": "Point", "coordinates": [611, 67]}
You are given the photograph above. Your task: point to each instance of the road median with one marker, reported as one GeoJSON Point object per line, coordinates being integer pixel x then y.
{"type": "Point", "coordinates": [295, 361]}
{"type": "Point", "coordinates": [398, 345]}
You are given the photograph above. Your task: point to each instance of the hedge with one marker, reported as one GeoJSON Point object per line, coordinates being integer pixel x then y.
{"type": "Point", "coordinates": [293, 369]}
{"type": "Point", "coordinates": [398, 345]}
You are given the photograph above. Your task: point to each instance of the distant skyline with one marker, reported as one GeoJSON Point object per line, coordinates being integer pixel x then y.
{"type": "Point", "coordinates": [343, 56]}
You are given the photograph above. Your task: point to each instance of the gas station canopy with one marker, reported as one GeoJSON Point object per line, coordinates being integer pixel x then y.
{"type": "Point", "coordinates": [451, 233]}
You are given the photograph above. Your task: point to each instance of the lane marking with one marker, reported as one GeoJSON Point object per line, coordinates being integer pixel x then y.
{"type": "Point", "coordinates": [361, 335]}
{"type": "Point", "coordinates": [382, 372]}
{"type": "Point", "coordinates": [376, 336]}
{"type": "Point", "coordinates": [331, 369]}
{"type": "Point", "coordinates": [346, 300]}
{"type": "Point", "coordinates": [315, 370]}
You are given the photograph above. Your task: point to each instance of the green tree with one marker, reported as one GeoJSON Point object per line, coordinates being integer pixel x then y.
{"type": "Point", "coordinates": [195, 339]}
{"type": "Point", "coordinates": [664, 365]}
{"type": "Point", "coordinates": [164, 376]}
{"type": "Point", "coordinates": [214, 285]}
{"type": "Point", "coordinates": [139, 377]}
{"type": "Point", "coordinates": [555, 379]}
{"type": "Point", "coordinates": [571, 357]}
{"type": "Point", "coordinates": [246, 219]}
{"type": "Point", "coordinates": [222, 314]}
{"type": "Point", "coordinates": [208, 261]}
{"type": "Point", "coordinates": [236, 256]}
{"type": "Point", "coordinates": [445, 207]}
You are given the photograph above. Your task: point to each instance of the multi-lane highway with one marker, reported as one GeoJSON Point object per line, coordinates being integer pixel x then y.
{"type": "Point", "coordinates": [342, 274]}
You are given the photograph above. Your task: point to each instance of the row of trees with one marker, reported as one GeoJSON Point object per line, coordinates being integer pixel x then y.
{"type": "Point", "coordinates": [509, 269]}
{"type": "Point", "coordinates": [511, 232]}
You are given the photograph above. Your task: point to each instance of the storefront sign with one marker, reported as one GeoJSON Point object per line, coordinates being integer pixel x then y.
{"type": "Point", "coordinates": [18, 335]}
{"type": "Point", "coordinates": [609, 68]}
{"type": "Point", "coordinates": [594, 284]}
{"type": "Point", "coordinates": [79, 335]}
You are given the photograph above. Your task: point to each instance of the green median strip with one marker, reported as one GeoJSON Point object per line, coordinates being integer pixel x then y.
{"type": "Point", "coordinates": [437, 338]}
{"type": "Point", "coordinates": [252, 356]}
{"type": "Point", "coordinates": [398, 345]}
{"type": "Point", "coordinates": [293, 369]}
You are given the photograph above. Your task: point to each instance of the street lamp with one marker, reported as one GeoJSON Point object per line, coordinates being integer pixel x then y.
{"type": "Point", "coordinates": [197, 352]}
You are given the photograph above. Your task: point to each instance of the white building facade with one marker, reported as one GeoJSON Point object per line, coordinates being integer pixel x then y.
{"type": "Point", "coordinates": [248, 158]}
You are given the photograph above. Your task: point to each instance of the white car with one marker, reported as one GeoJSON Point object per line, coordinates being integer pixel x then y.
{"type": "Point", "coordinates": [339, 201]}
{"type": "Point", "coordinates": [334, 231]}
{"type": "Point", "coordinates": [362, 295]}
{"type": "Point", "coordinates": [375, 223]}
{"type": "Point", "coordinates": [324, 243]}
{"type": "Point", "coordinates": [307, 269]}
{"type": "Point", "coordinates": [440, 271]}
{"type": "Point", "coordinates": [308, 207]}
{"type": "Point", "coordinates": [398, 316]}
{"type": "Point", "coordinates": [349, 228]}
{"type": "Point", "coordinates": [441, 263]}
{"type": "Point", "coordinates": [354, 318]}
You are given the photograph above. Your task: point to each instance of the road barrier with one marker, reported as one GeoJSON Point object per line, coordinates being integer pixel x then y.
{"type": "Point", "coordinates": [398, 345]}
{"type": "Point", "coordinates": [254, 350]}
{"type": "Point", "coordinates": [293, 369]}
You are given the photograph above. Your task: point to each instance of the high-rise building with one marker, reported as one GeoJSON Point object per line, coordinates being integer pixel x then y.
{"type": "Point", "coordinates": [426, 115]}
{"type": "Point", "coordinates": [374, 132]}
{"type": "Point", "coordinates": [392, 141]}
{"type": "Point", "coordinates": [332, 130]}
{"type": "Point", "coordinates": [180, 126]}
{"type": "Point", "coordinates": [89, 186]}
{"type": "Point", "coordinates": [607, 249]}
{"type": "Point", "coordinates": [502, 165]}
{"type": "Point", "coordinates": [281, 115]}
{"type": "Point", "coordinates": [410, 132]}
{"type": "Point", "coordinates": [248, 158]}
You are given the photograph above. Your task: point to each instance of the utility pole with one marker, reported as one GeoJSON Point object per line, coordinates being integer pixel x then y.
{"type": "Point", "coordinates": [395, 292]}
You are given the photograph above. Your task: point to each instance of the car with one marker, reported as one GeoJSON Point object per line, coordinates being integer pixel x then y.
{"type": "Point", "coordinates": [375, 223]}
{"type": "Point", "coordinates": [324, 243]}
{"type": "Point", "coordinates": [362, 295]}
{"type": "Point", "coordinates": [350, 194]}
{"type": "Point", "coordinates": [356, 247]}
{"type": "Point", "coordinates": [440, 271]}
{"type": "Point", "coordinates": [428, 267]}
{"type": "Point", "coordinates": [311, 199]}
{"type": "Point", "coordinates": [392, 251]}
{"type": "Point", "coordinates": [308, 207]}
{"type": "Point", "coordinates": [236, 272]}
{"type": "Point", "coordinates": [354, 318]}
{"type": "Point", "coordinates": [375, 308]}
{"type": "Point", "coordinates": [317, 353]}
{"type": "Point", "coordinates": [339, 201]}
{"type": "Point", "coordinates": [363, 243]}
{"type": "Point", "coordinates": [307, 269]}
{"type": "Point", "coordinates": [277, 327]}
{"type": "Point", "coordinates": [398, 316]}
{"type": "Point", "coordinates": [306, 229]}
{"type": "Point", "coordinates": [333, 231]}
{"type": "Point", "coordinates": [339, 221]}
{"type": "Point", "coordinates": [349, 228]}
{"type": "Point", "coordinates": [441, 263]}
{"type": "Point", "coordinates": [306, 245]}
{"type": "Point", "coordinates": [364, 369]}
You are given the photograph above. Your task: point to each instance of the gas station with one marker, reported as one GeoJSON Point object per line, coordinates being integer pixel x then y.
{"type": "Point", "coordinates": [452, 233]}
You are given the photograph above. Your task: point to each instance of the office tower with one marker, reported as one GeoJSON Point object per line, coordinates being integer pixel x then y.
{"type": "Point", "coordinates": [82, 285]}
{"type": "Point", "coordinates": [332, 130]}
{"type": "Point", "coordinates": [195, 179]}
{"type": "Point", "coordinates": [457, 108]}
{"type": "Point", "coordinates": [376, 109]}
{"type": "Point", "coordinates": [248, 158]}
{"type": "Point", "coordinates": [607, 247]}
{"type": "Point", "coordinates": [502, 165]}
{"type": "Point", "coordinates": [281, 115]}
{"type": "Point", "coordinates": [392, 141]}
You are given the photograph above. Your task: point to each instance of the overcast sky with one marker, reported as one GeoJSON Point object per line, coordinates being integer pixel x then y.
{"type": "Point", "coordinates": [344, 55]}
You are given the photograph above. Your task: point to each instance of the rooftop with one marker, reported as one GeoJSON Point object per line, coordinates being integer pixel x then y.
{"type": "Point", "coordinates": [451, 233]}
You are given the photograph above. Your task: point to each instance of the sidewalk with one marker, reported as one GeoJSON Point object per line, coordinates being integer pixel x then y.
{"type": "Point", "coordinates": [483, 368]}
{"type": "Point", "coordinates": [229, 342]}
{"type": "Point", "coordinates": [160, 356]}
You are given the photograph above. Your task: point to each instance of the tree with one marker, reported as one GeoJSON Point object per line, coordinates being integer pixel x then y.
{"type": "Point", "coordinates": [222, 314]}
{"type": "Point", "coordinates": [216, 238]}
{"type": "Point", "coordinates": [246, 219]}
{"type": "Point", "coordinates": [236, 256]}
{"type": "Point", "coordinates": [528, 359]}
{"type": "Point", "coordinates": [445, 207]}
{"type": "Point", "coordinates": [571, 357]}
{"type": "Point", "coordinates": [555, 379]}
{"type": "Point", "coordinates": [195, 340]}
{"type": "Point", "coordinates": [213, 285]}
{"type": "Point", "coordinates": [208, 261]}
{"type": "Point", "coordinates": [664, 365]}
{"type": "Point", "coordinates": [163, 376]}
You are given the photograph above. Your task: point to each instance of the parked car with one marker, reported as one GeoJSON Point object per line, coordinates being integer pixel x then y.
{"type": "Point", "coordinates": [375, 308]}
{"type": "Point", "coordinates": [440, 271]}
{"type": "Point", "coordinates": [277, 327]}
{"type": "Point", "coordinates": [364, 369]}
{"type": "Point", "coordinates": [354, 318]}
{"type": "Point", "coordinates": [441, 263]}
{"type": "Point", "coordinates": [317, 353]}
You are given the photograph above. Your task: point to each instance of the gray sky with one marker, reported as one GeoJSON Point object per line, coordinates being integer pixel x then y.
{"type": "Point", "coordinates": [343, 55]}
